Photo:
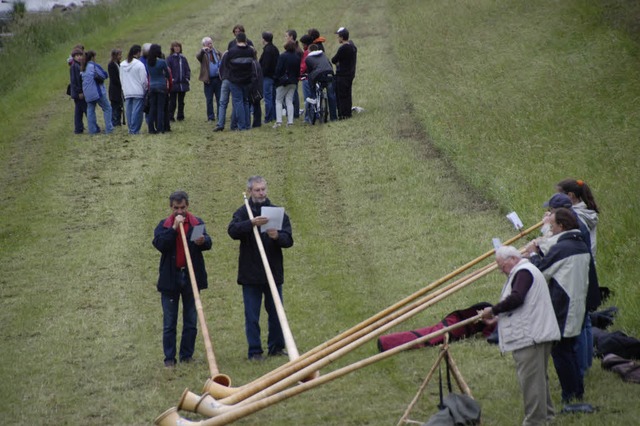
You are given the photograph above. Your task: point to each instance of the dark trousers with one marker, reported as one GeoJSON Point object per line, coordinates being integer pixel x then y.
{"type": "Point", "coordinates": [252, 296]}
{"type": "Point", "coordinates": [565, 360]}
{"type": "Point", "coordinates": [80, 110]}
{"type": "Point", "coordinates": [212, 89]}
{"type": "Point", "coordinates": [343, 95]}
{"type": "Point", "coordinates": [116, 112]}
{"type": "Point", "coordinates": [170, 305]}
{"type": "Point", "coordinates": [176, 100]}
{"type": "Point", "coordinates": [157, 101]}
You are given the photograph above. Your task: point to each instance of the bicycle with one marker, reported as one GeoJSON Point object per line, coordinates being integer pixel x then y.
{"type": "Point", "coordinates": [320, 105]}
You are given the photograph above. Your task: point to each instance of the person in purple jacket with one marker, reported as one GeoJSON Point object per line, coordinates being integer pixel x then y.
{"type": "Point", "coordinates": [181, 74]}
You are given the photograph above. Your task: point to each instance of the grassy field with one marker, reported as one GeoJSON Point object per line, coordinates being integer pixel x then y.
{"type": "Point", "coordinates": [472, 109]}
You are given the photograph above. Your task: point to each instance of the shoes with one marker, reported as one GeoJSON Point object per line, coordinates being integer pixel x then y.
{"type": "Point", "coordinates": [275, 126]}
{"type": "Point", "coordinates": [218, 129]}
{"type": "Point", "coordinates": [186, 360]}
{"type": "Point", "coordinates": [279, 352]}
{"type": "Point", "coordinates": [289, 124]}
{"type": "Point", "coordinates": [578, 408]}
{"type": "Point", "coordinates": [256, 358]}
{"type": "Point", "coordinates": [170, 363]}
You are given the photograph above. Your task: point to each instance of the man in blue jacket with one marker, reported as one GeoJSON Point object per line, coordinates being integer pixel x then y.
{"type": "Point", "coordinates": [173, 279]}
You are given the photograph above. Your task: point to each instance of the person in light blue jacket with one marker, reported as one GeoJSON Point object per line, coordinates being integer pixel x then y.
{"type": "Point", "coordinates": [95, 93]}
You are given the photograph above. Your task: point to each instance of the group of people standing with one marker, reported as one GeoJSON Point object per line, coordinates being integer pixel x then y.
{"type": "Point", "coordinates": [145, 82]}
{"type": "Point", "coordinates": [148, 82]}
{"type": "Point", "coordinates": [174, 281]}
{"type": "Point", "coordinates": [544, 309]}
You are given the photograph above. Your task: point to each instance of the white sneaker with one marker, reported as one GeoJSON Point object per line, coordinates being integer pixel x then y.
{"type": "Point", "coordinates": [275, 126]}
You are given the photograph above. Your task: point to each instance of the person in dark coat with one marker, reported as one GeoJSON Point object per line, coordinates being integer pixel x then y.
{"type": "Point", "coordinates": [173, 279]}
{"type": "Point", "coordinates": [251, 272]}
{"type": "Point", "coordinates": [181, 75]}
{"type": "Point", "coordinates": [345, 60]}
{"type": "Point", "coordinates": [268, 61]}
{"type": "Point", "coordinates": [115, 88]}
{"type": "Point", "coordinates": [75, 89]}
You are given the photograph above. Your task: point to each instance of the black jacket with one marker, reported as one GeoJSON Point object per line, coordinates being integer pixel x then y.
{"type": "Point", "coordinates": [269, 59]}
{"type": "Point", "coordinates": [250, 268]}
{"type": "Point", "coordinates": [164, 239]}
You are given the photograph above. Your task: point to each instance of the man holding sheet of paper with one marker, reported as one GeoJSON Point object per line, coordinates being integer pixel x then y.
{"type": "Point", "coordinates": [275, 233]}
{"type": "Point", "coordinates": [173, 277]}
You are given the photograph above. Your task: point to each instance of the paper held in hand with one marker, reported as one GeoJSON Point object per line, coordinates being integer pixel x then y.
{"type": "Point", "coordinates": [517, 223]}
{"type": "Point", "coordinates": [275, 215]}
{"type": "Point", "coordinates": [198, 231]}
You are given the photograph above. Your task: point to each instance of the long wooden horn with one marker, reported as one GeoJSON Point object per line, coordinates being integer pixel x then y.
{"type": "Point", "coordinates": [234, 395]}
{"type": "Point", "coordinates": [171, 417]}
{"type": "Point", "coordinates": [208, 406]}
{"type": "Point", "coordinates": [284, 324]}
{"type": "Point", "coordinates": [221, 379]}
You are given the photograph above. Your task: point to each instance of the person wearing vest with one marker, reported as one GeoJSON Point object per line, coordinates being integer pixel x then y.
{"type": "Point", "coordinates": [527, 327]}
{"type": "Point", "coordinates": [174, 280]}
{"type": "Point", "coordinates": [209, 59]}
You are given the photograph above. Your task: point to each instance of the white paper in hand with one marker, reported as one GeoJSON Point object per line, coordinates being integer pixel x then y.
{"type": "Point", "coordinates": [496, 243]}
{"type": "Point", "coordinates": [513, 217]}
{"type": "Point", "coordinates": [275, 215]}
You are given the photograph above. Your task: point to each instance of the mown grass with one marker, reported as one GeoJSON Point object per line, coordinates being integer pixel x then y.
{"type": "Point", "coordinates": [381, 205]}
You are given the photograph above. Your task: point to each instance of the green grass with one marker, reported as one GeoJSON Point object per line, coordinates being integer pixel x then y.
{"type": "Point", "coordinates": [472, 110]}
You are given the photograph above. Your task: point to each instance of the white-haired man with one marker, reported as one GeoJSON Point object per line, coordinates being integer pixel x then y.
{"type": "Point", "coordinates": [209, 59]}
{"type": "Point", "coordinates": [527, 327]}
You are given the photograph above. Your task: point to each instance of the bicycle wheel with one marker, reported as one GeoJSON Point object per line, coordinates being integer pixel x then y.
{"type": "Point", "coordinates": [324, 108]}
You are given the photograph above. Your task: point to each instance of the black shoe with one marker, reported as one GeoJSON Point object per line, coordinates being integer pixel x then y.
{"type": "Point", "coordinates": [278, 352]}
{"type": "Point", "coordinates": [186, 360]}
{"type": "Point", "coordinates": [256, 357]}
{"type": "Point", "coordinates": [170, 363]}
{"type": "Point", "coordinates": [218, 129]}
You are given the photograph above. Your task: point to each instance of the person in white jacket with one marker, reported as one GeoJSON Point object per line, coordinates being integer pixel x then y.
{"type": "Point", "coordinates": [133, 77]}
{"type": "Point", "coordinates": [527, 327]}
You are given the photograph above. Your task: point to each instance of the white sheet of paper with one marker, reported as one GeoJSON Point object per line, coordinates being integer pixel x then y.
{"type": "Point", "coordinates": [198, 231]}
{"type": "Point", "coordinates": [496, 243]}
{"type": "Point", "coordinates": [275, 215]}
{"type": "Point", "coordinates": [517, 223]}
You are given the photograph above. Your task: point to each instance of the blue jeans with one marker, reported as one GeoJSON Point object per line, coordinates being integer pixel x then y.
{"type": "Point", "coordinates": [333, 102]}
{"type": "Point", "coordinates": [106, 113]}
{"type": "Point", "coordinates": [252, 296]}
{"type": "Point", "coordinates": [241, 104]}
{"type": "Point", "coordinates": [134, 110]}
{"type": "Point", "coordinates": [210, 90]}
{"type": "Point", "coordinates": [157, 101]}
{"type": "Point", "coordinates": [566, 363]}
{"type": "Point", "coordinates": [80, 110]}
{"type": "Point", "coordinates": [307, 93]}
{"type": "Point", "coordinates": [269, 99]}
{"type": "Point", "coordinates": [225, 91]}
{"type": "Point", "coordinates": [170, 305]}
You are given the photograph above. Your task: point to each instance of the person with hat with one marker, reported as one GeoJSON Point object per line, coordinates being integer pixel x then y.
{"type": "Point", "coordinates": [345, 61]}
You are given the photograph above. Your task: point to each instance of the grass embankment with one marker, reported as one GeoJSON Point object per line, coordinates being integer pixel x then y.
{"type": "Point", "coordinates": [479, 109]}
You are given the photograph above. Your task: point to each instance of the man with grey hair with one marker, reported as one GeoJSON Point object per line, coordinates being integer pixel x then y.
{"type": "Point", "coordinates": [527, 327]}
{"type": "Point", "coordinates": [209, 59]}
{"type": "Point", "coordinates": [251, 272]}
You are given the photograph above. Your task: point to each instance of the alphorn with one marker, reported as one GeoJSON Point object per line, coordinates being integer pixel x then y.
{"type": "Point", "coordinates": [171, 417]}
{"type": "Point", "coordinates": [233, 395]}
{"type": "Point", "coordinates": [221, 379]}
{"type": "Point", "coordinates": [208, 406]}
{"type": "Point", "coordinates": [284, 324]}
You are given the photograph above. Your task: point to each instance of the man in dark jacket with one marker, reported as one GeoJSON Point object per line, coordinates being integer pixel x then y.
{"type": "Point", "coordinates": [345, 61]}
{"type": "Point", "coordinates": [251, 272]}
{"type": "Point", "coordinates": [75, 90]}
{"type": "Point", "coordinates": [174, 281]}
{"type": "Point", "coordinates": [239, 61]}
{"type": "Point", "coordinates": [268, 61]}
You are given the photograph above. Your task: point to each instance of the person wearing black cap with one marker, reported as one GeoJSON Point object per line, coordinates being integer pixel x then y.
{"type": "Point", "coordinates": [345, 62]}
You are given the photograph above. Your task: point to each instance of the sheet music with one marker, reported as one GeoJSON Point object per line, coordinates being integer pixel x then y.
{"type": "Point", "coordinates": [275, 215]}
